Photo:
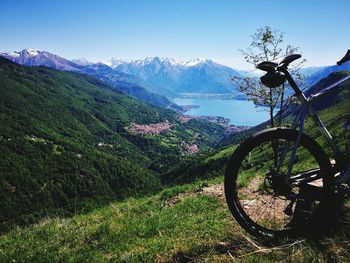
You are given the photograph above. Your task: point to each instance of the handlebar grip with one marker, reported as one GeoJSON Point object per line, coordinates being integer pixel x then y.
{"type": "Point", "coordinates": [344, 59]}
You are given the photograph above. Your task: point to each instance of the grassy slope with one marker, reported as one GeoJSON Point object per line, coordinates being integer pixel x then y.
{"type": "Point", "coordinates": [178, 224]}
{"type": "Point", "coordinates": [194, 228]}
{"type": "Point", "coordinates": [168, 226]}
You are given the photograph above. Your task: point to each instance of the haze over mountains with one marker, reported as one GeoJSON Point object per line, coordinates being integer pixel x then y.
{"type": "Point", "coordinates": [326, 71]}
{"type": "Point", "coordinates": [164, 76]}
{"type": "Point", "coordinates": [157, 80]}
{"type": "Point", "coordinates": [118, 80]}
{"type": "Point", "coordinates": [193, 76]}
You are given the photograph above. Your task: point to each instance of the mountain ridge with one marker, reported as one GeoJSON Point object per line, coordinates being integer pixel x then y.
{"type": "Point", "coordinates": [119, 80]}
{"type": "Point", "coordinates": [165, 76]}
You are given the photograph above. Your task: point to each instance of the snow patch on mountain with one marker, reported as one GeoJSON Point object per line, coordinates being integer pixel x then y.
{"type": "Point", "coordinates": [165, 76]}
{"type": "Point", "coordinates": [169, 76]}
{"type": "Point", "coordinates": [113, 63]}
{"type": "Point", "coordinates": [82, 62]}
{"type": "Point", "coordinates": [34, 57]}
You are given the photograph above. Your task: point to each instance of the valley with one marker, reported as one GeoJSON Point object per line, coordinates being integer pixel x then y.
{"type": "Point", "coordinates": [90, 172]}
{"type": "Point", "coordinates": [87, 142]}
{"type": "Point", "coordinates": [170, 131]}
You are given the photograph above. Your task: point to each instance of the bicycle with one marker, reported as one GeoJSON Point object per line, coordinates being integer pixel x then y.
{"type": "Point", "coordinates": [280, 181]}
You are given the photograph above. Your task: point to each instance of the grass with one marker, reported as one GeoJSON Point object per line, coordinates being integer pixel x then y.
{"type": "Point", "coordinates": [227, 152]}
{"type": "Point", "coordinates": [196, 228]}
{"type": "Point", "coordinates": [179, 224]}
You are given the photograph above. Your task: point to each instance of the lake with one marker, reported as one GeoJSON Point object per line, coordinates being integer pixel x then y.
{"type": "Point", "coordinates": [240, 112]}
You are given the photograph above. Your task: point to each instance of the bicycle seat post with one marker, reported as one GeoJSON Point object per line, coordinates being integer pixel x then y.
{"type": "Point", "coordinates": [292, 83]}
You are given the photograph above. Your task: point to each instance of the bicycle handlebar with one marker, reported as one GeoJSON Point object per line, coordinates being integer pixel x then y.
{"type": "Point", "coordinates": [344, 59]}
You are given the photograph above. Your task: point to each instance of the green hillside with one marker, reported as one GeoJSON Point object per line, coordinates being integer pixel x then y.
{"type": "Point", "coordinates": [65, 140]}
{"type": "Point", "coordinates": [333, 108]}
{"type": "Point", "coordinates": [67, 153]}
{"type": "Point", "coordinates": [180, 224]}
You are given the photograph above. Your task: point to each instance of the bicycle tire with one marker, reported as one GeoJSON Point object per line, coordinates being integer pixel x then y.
{"type": "Point", "coordinates": [231, 184]}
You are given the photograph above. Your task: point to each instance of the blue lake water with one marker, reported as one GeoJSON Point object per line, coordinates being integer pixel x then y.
{"type": "Point", "coordinates": [240, 112]}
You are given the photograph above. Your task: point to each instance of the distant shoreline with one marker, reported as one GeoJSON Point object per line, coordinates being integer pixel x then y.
{"type": "Point", "coordinates": [220, 96]}
{"type": "Point", "coordinates": [238, 112]}
{"type": "Point", "coordinates": [186, 108]}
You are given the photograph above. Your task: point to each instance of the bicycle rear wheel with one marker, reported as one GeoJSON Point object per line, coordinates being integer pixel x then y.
{"type": "Point", "coordinates": [266, 195]}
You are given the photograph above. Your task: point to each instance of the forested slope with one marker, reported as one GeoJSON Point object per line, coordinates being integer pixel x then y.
{"type": "Point", "coordinates": [65, 140]}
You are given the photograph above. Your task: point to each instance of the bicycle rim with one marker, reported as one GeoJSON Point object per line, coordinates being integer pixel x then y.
{"type": "Point", "coordinates": [262, 196]}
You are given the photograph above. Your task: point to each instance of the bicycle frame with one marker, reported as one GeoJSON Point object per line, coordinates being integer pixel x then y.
{"type": "Point", "coordinates": [305, 110]}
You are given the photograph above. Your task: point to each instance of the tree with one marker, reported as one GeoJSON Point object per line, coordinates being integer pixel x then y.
{"type": "Point", "coordinates": [267, 44]}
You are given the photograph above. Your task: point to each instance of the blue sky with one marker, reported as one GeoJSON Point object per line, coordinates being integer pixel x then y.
{"type": "Point", "coordinates": [182, 29]}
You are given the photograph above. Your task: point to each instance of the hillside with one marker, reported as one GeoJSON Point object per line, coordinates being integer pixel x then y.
{"type": "Point", "coordinates": [129, 84]}
{"type": "Point", "coordinates": [119, 80]}
{"type": "Point", "coordinates": [179, 224]}
{"type": "Point", "coordinates": [66, 140]}
{"type": "Point", "coordinates": [70, 145]}
{"type": "Point", "coordinates": [323, 72]}
{"type": "Point", "coordinates": [333, 109]}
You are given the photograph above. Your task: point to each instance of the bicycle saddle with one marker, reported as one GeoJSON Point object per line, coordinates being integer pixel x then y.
{"type": "Point", "coordinates": [272, 65]}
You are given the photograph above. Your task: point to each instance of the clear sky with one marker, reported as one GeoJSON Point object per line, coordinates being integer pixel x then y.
{"type": "Point", "coordinates": [183, 29]}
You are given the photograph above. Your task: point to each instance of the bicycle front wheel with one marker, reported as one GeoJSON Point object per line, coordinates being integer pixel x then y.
{"type": "Point", "coordinates": [268, 194]}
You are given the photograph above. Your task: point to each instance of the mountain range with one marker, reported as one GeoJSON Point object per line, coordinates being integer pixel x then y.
{"type": "Point", "coordinates": [32, 57]}
{"type": "Point", "coordinates": [157, 80]}
{"type": "Point", "coordinates": [118, 80]}
{"type": "Point", "coordinates": [164, 76]}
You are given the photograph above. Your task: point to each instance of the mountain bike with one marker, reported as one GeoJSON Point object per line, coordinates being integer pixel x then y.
{"type": "Point", "coordinates": [280, 182]}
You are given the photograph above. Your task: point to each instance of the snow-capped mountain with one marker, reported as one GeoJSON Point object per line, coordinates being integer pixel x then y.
{"type": "Point", "coordinates": [119, 80]}
{"type": "Point", "coordinates": [164, 75]}
{"type": "Point", "coordinates": [113, 63]}
{"type": "Point", "coordinates": [33, 57]}
{"type": "Point", "coordinates": [82, 62]}
{"type": "Point", "coordinates": [206, 76]}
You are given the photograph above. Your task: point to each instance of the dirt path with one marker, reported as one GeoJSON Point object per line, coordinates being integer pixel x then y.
{"type": "Point", "coordinates": [261, 207]}
{"type": "Point", "coordinates": [216, 190]}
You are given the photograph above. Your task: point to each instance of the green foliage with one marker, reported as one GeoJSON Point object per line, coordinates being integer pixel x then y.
{"type": "Point", "coordinates": [64, 145]}
{"type": "Point", "coordinates": [171, 192]}
{"type": "Point", "coordinates": [267, 45]}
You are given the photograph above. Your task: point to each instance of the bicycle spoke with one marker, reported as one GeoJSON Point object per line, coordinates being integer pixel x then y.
{"type": "Point", "coordinates": [268, 187]}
